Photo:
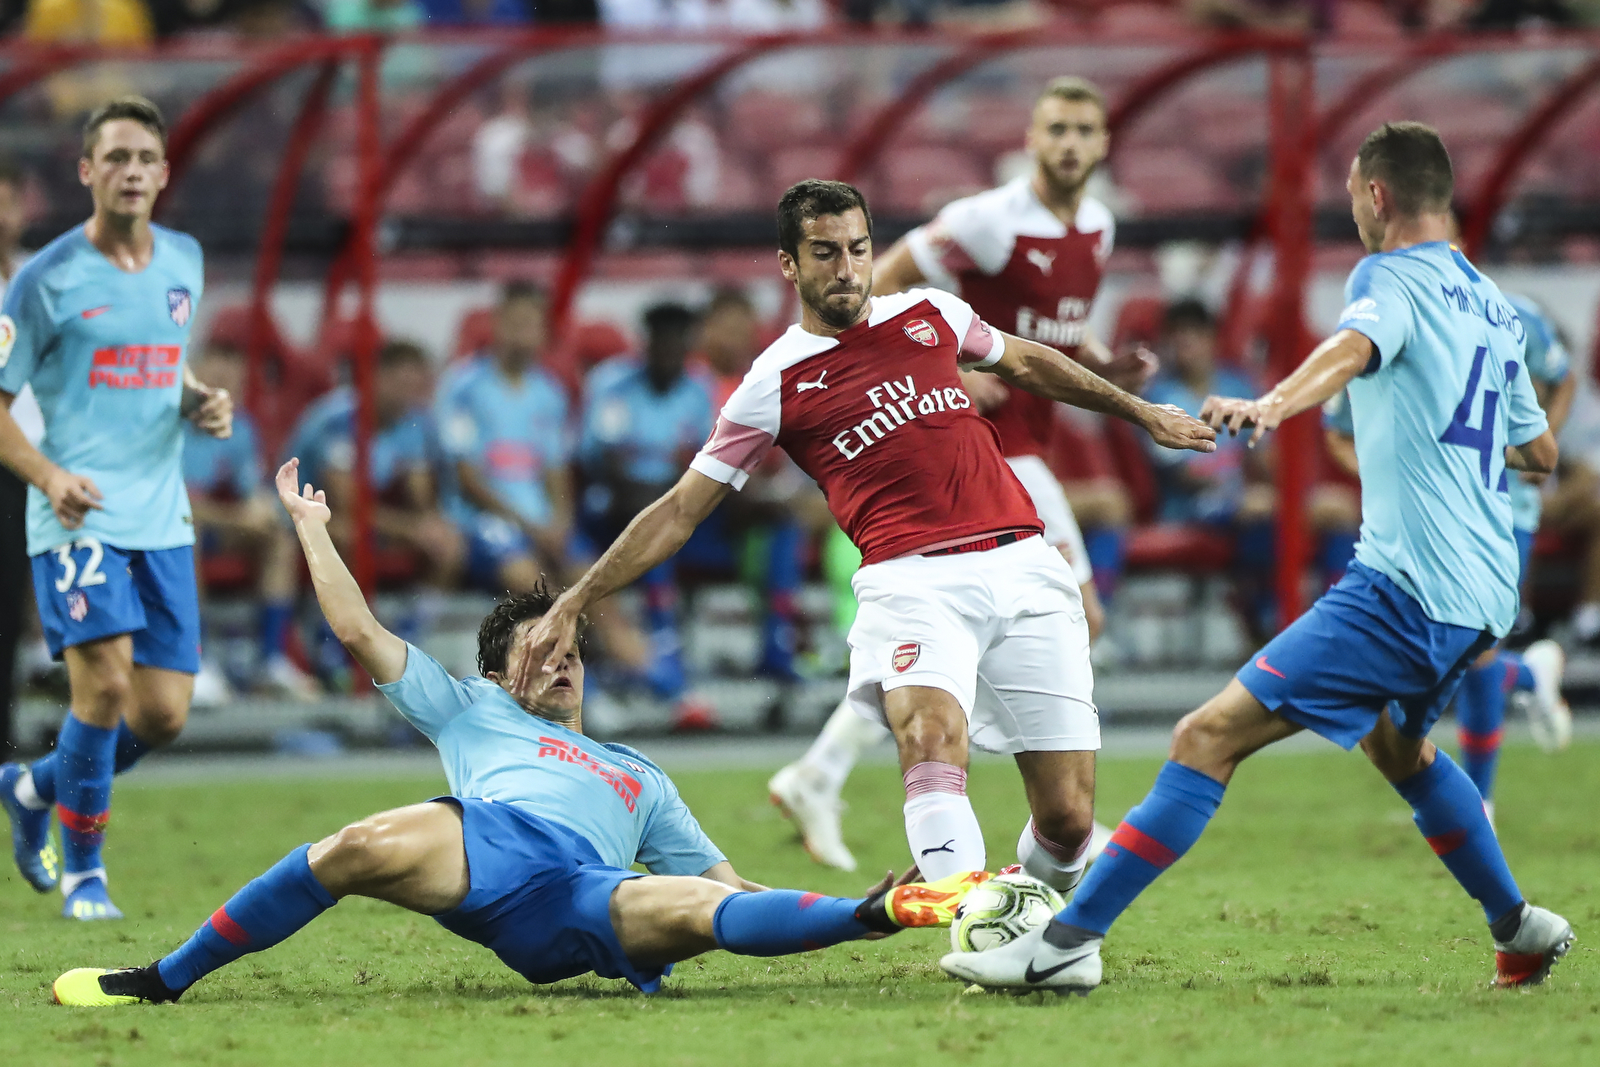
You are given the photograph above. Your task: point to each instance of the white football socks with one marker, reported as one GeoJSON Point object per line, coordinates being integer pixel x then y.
{"type": "Point", "coordinates": [941, 826]}
{"type": "Point", "coordinates": [70, 881]}
{"type": "Point", "coordinates": [1055, 866]}
{"type": "Point", "coordinates": [844, 737]}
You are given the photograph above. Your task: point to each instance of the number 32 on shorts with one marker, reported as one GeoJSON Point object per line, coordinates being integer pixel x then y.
{"type": "Point", "coordinates": [90, 573]}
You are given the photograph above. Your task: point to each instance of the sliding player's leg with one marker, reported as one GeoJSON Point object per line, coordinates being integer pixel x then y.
{"type": "Point", "coordinates": [1449, 811]}
{"type": "Point", "coordinates": [413, 857]}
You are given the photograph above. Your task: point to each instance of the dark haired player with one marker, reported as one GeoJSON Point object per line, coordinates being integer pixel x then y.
{"type": "Point", "coordinates": [98, 323]}
{"type": "Point", "coordinates": [528, 856]}
{"type": "Point", "coordinates": [968, 623]}
{"type": "Point", "coordinates": [1028, 255]}
{"type": "Point", "coordinates": [1444, 411]}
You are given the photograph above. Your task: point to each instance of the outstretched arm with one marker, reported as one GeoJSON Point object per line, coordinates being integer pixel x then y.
{"type": "Point", "coordinates": [652, 537]}
{"type": "Point", "coordinates": [1328, 369]}
{"type": "Point", "coordinates": [380, 653]}
{"type": "Point", "coordinates": [1043, 370]}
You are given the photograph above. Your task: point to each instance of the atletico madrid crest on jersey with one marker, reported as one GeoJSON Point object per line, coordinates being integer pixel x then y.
{"type": "Point", "coordinates": [77, 605]}
{"type": "Point", "coordinates": [905, 657]}
{"type": "Point", "coordinates": [179, 305]}
{"type": "Point", "coordinates": [922, 332]}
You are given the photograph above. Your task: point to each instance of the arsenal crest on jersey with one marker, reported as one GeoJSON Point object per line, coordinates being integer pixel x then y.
{"type": "Point", "coordinates": [905, 657]}
{"type": "Point", "coordinates": [922, 332]}
{"type": "Point", "coordinates": [178, 305]}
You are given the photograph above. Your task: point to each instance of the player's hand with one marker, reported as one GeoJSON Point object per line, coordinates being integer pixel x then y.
{"type": "Point", "coordinates": [888, 882]}
{"type": "Point", "coordinates": [543, 647]}
{"type": "Point", "coordinates": [1236, 415]}
{"type": "Point", "coordinates": [305, 504]}
{"type": "Point", "coordinates": [214, 415]}
{"type": "Point", "coordinates": [72, 496]}
{"type": "Point", "coordinates": [1132, 370]}
{"type": "Point", "coordinates": [1172, 427]}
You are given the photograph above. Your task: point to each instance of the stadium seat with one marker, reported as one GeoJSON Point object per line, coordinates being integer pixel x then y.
{"type": "Point", "coordinates": [292, 376]}
{"type": "Point", "coordinates": [1139, 322]}
{"type": "Point", "coordinates": [1171, 546]}
{"type": "Point", "coordinates": [1167, 180]}
{"type": "Point", "coordinates": [789, 165]}
{"type": "Point", "coordinates": [920, 179]}
{"type": "Point", "coordinates": [763, 122]}
{"type": "Point", "coordinates": [475, 334]}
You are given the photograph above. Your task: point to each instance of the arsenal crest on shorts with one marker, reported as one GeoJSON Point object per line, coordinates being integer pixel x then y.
{"type": "Point", "coordinates": [922, 332]}
{"type": "Point", "coordinates": [78, 605]}
{"type": "Point", "coordinates": [906, 655]}
{"type": "Point", "coordinates": [178, 305]}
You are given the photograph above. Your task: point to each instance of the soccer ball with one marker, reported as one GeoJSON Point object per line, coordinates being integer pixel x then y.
{"type": "Point", "coordinates": [1001, 910]}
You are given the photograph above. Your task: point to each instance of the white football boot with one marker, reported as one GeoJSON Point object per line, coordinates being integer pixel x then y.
{"type": "Point", "coordinates": [1029, 963]}
{"type": "Point", "coordinates": [1549, 717]}
{"type": "Point", "coordinates": [1542, 939]}
{"type": "Point", "coordinates": [816, 812]}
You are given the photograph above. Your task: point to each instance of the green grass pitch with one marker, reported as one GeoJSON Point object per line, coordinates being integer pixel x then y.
{"type": "Point", "coordinates": [1310, 926]}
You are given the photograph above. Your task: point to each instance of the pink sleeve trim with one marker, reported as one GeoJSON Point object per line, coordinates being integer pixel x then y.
{"type": "Point", "coordinates": [734, 451]}
{"type": "Point", "coordinates": [981, 346]}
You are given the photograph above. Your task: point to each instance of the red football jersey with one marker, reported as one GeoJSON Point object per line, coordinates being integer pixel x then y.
{"type": "Point", "coordinates": [878, 418]}
{"type": "Point", "coordinates": [1027, 272]}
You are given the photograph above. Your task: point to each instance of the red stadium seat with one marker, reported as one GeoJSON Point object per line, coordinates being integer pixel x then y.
{"type": "Point", "coordinates": [1139, 322]}
{"type": "Point", "coordinates": [227, 572]}
{"type": "Point", "coordinates": [762, 122]}
{"type": "Point", "coordinates": [291, 375]}
{"type": "Point", "coordinates": [920, 179]}
{"type": "Point", "coordinates": [1167, 180]}
{"type": "Point", "coordinates": [475, 333]}
{"type": "Point", "coordinates": [790, 165]}
{"type": "Point", "coordinates": [1172, 546]}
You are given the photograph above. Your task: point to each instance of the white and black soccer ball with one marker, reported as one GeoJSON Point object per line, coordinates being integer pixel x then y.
{"type": "Point", "coordinates": [1001, 910]}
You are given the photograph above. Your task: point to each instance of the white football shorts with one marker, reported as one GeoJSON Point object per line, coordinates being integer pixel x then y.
{"type": "Point", "coordinates": [1060, 527]}
{"type": "Point", "coordinates": [1002, 631]}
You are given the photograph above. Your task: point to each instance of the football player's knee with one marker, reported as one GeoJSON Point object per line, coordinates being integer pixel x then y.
{"type": "Point", "coordinates": [360, 854]}
{"type": "Point", "coordinates": [933, 734]}
{"type": "Point", "coordinates": [1197, 739]}
{"type": "Point", "coordinates": [1067, 826]}
{"type": "Point", "coordinates": [110, 692]}
{"type": "Point", "coordinates": [159, 724]}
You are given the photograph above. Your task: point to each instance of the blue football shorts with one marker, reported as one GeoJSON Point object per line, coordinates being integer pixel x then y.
{"type": "Point", "coordinates": [88, 591]}
{"type": "Point", "coordinates": [540, 898]}
{"type": "Point", "coordinates": [1365, 643]}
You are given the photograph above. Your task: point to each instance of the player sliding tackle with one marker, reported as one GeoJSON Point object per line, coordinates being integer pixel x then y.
{"type": "Point", "coordinates": [1432, 354]}
{"type": "Point", "coordinates": [970, 624]}
{"type": "Point", "coordinates": [528, 854]}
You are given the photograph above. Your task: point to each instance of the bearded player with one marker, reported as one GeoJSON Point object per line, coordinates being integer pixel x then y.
{"type": "Point", "coordinates": [98, 323]}
{"type": "Point", "coordinates": [1445, 415]}
{"type": "Point", "coordinates": [970, 626]}
{"type": "Point", "coordinates": [1028, 255]}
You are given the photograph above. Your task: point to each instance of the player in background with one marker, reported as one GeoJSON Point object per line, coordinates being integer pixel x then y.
{"type": "Point", "coordinates": [234, 512]}
{"type": "Point", "coordinates": [97, 323]}
{"type": "Point", "coordinates": [1029, 257]}
{"type": "Point", "coordinates": [528, 856]}
{"type": "Point", "coordinates": [1433, 356]}
{"type": "Point", "coordinates": [1533, 677]}
{"type": "Point", "coordinates": [969, 624]}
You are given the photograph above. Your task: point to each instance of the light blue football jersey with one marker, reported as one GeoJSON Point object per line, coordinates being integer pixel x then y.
{"type": "Point", "coordinates": [1547, 361]}
{"type": "Point", "coordinates": [223, 467]}
{"type": "Point", "coordinates": [610, 795]}
{"type": "Point", "coordinates": [1445, 394]}
{"type": "Point", "coordinates": [512, 433]}
{"type": "Point", "coordinates": [104, 351]}
{"type": "Point", "coordinates": [656, 433]}
{"type": "Point", "coordinates": [324, 440]}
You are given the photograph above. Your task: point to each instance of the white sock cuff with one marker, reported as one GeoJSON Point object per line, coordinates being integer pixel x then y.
{"type": "Point", "coordinates": [27, 795]}
{"type": "Point", "coordinates": [71, 880]}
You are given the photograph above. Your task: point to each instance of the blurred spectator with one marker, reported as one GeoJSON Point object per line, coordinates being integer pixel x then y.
{"type": "Point", "coordinates": [373, 16]}
{"type": "Point", "coordinates": [1288, 15]}
{"type": "Point", "coordinates": [509, 12]}
{"type": "Point", "coordinates": [1515, 14]}
{"type": "Point", "coordinates": [88, 21]}
{"type": "Point", "coordinates": [235, 513]}
{"type": "Point", "coordinates": [403, 464]}
{"type": "Point", "coordinates": [643, 419]}
{"type": "Point", "coordinates": [503, 420]}
{"type": "Point", "coordinates": [780, 510]}
{"type": "Point", "coordinates": [749, 16]}
{"type": "Point", "coordinates": [1230, 487]}
{"type": "Point", "coordinates": [505, 426]}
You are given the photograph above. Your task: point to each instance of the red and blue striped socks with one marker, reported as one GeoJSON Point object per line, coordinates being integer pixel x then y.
{"type": "Point", "coordinates": [1163, 827]}
{"type": "Point", "coordinates": [129, 751]}
{"type": "Point", "coordinates": [85, 761]}
{"type": "Point", "coordinates": [1481, 714]}
{"type": "Point", "coordinates": [263, 913]}
{"type": "Point", "coordinates": [1449, 812]}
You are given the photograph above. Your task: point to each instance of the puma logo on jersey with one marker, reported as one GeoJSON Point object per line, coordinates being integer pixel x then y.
{"type": "Point", "coordinates": [1045, 261]}
{"type": "Point", "coordinates": [801, 387]}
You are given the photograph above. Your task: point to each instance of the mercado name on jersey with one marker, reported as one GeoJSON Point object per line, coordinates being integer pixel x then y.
{"type": "Point", "coordinates": [103, 349]}
{"type": "Point", "coordinates": [878, 418]}
{"type": "Point", "coordinates": [1014, 261]}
